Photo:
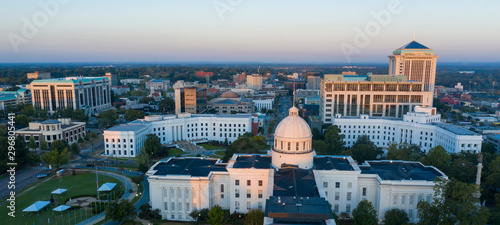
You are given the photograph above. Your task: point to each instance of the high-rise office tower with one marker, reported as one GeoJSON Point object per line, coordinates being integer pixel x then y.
{"type": "Point", "coordinates": [415, 61]}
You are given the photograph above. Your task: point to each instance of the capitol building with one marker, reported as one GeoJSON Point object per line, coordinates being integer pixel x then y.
{"type": "Point", "coordinates": [290, 183]}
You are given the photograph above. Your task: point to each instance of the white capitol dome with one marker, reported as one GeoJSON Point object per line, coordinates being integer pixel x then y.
{"type": "Point", "coordinates": [293, 142]}
{"type": "Point", "coordinates": [293, 126]}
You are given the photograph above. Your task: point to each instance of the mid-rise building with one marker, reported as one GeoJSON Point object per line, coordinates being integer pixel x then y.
{"type": "Point", "coordinates": [422, 127]}
{"type": "Point", "coordinates": [131, 81]}
{"type": "Point", "coordinates": [415, 61]}
{"type": "Point", "coordinates": [38, 75]}
{"type": "Point", "coordinates": [240, 78]}
{"type": "Point", "coordinates": [52, 130]}
{"type": "Point", "coordinates": [113, 79]}
{"type": "Point", "coordinates": [260, 104]}
{"type": "Point", "coordinates": [91, 94]}
{"type": "Point", "coordinates": [494, 139]}
{"type": "Point", "coordinates": [373, 95]}
{"type": "Point", "coordinates": [126, 140]}
{"type": "Point", "coordinates": [190, 99]}
{"type": "Point", "coordinates": [158, 84]}
{"type": "Point", "coordinates": [230, 103]}
{"type": "Point", "coordinates": [254, 81]}
{"type": "Point", "coordinates": [313, 83]}
{"type": "Point", "coordinates": [290, 183]}
{"type": "Point", "coordinates": [11, 98]}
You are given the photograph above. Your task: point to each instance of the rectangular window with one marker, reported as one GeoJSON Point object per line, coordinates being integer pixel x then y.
{"type": "Point", "coordinates": [336, 208]}
{"type": "Point", "coordinates": [248, 206]}
{"type": "Point", "coordinates": [325, 184]}
{"type": "Point", "coordinates": [348, 208]}
{"type": "Point", "coordinates": [349, 184]}
{"type": "Point", "coordinates": [395, 199]}
{"type": "Point", "coordinates": [222, 188]}
{"type": "Point", "coordinates": [428, 198]}
{"type": "Point", "coordinates": [337, 184]}
{"type": "Point", "coordinates": [172, 193]}
{"type": "Point", "coordinates": [403, 199]}
{"type": "Point", "coordinates": [410, 213]}
{"type": "Point", "coordinates": [260, 205]}
{"type": "Point", "coordinates": [180, 206]}
{"type": "Point", "coordinates": [187, 194]}
{"type": "Point", "coordinates": [237, 193]}
{"type": "Point", "coordinates": [364, 191]}
{"type": "Point", "coordinates": [260, 193]}
{"type": "Point", "coordinates": [236, 205]}
{"type": "Point", "coordinates": [173, 206]}
{"type": "Point", "coordinates": [349, 195]}
{"type": "Point", "coordinates": [166, 206]}
{"type": "Point", "coordinates": [411, 199]}
{"type": "Point", "coordinates": [337, 195]}
{"type": "Point", "coordinates": [237, 182]}
{"type": "Point", "coordinates": [249, 193]}
{"type": "Point", "coordinates": [249, 182]}
{"type": "Point", "coordinates": [260, 183]}
{"type": "Point", "coordinates": [419, 199]}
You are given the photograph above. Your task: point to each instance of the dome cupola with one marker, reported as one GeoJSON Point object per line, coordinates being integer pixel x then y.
{"type": "Point", "coordinates": [293, 142]}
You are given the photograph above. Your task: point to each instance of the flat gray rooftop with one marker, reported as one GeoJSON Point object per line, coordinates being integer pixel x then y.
{"type": "Point", "coordinates": [455, 129]}
{"type": "Point", "coordinates": [126, 127]}
{"type": "Point", "coordinates": [196, 167]}
{"type": "Point", "coordinates": [400, 170]}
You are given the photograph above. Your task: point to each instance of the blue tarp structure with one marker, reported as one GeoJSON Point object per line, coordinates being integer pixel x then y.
{"type": "Point", "coordinates": [59, 191]}
{"type": "Point", "coordinates": [61, 208]}
{"type": "Point", "coordinates": [107, 187]}
{"type": "Point", "coordinates": [37, 206]}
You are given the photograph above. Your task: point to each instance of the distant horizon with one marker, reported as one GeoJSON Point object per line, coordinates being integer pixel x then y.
{"type": "Point", "coordinates": [223, 31]}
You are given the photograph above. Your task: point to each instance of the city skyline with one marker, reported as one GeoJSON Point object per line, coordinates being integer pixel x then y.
{"type": "Point", "coordinates": [244, 31]}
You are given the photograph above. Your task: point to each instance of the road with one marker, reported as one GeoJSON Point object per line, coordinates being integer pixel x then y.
{"type": "Point", "coordinates": [24, 178]}
{"type": "Point", "coordinates": [285, 104]}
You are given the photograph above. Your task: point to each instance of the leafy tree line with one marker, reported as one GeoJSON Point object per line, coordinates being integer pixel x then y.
{"type": "Point", "coordinates": [246, 143]}
{"type": "Point", "coordinates": [218, 216]}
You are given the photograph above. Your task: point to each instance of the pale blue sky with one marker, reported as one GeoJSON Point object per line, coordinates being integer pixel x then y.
{"type": "Point", "coordinates": [251, 31]}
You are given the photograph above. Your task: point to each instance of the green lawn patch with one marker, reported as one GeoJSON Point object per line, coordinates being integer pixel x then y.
{"type": "Point", "coordinates": [208, 146]}
{"type": "Point", "coordinates": [175, 151]}
{"type": "Point", "coordinates": [78, 185]}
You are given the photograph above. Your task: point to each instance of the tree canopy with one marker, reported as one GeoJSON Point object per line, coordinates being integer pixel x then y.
{"type": "Point", "coordinates": [216, 216]}
{"type": "Point", "coordinates": [396, 217]}
{"type": "Point", "coordinates": [363, 149]}
{"type": "Point", "coordinates": [56, 158]}
{"type": "Point", "coordinates": [246, 143]}
{"type": "Point", "coordinates": [364, 214]}
{"type": "Point", "coordinates": [120, 210]}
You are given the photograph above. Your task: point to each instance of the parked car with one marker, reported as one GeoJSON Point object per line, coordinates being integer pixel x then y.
{"type": "Point", "coordinates": [41, 175]}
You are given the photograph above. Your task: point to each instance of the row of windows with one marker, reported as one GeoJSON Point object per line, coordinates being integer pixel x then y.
{"type": "Point", "coordinates": [249, 183]}
{"type": "Point", "coordinates": [249, 193]}
{"type": "Point", "coordinates": [248, 204]}
{"type": "Point", "coordinates": [118, 140]}
{"type": "Point", "coordinates": [179, 207]}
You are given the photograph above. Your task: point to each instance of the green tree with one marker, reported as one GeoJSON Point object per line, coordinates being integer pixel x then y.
{"type": "Point", "coordinates": [153, 146]}
{"type": "Point", "coordinates": [320, 147]}
{"type": "Point", "coordinates": [363, 149]}
{"type": "Point", "coordinates": [22, 120]}
{"type": "Point", "coordinates": [137, 179]}
{"type": "Point", "coordinates": [108, 118]}
{"type": "Point", "coordinates": [254, 217]}
{"type": "Point", "coordinates": [246, 143]}
{"type": "Point", "coordinates": [120, 210]}
{"type": "Point", "coordinates": [167, 105]}
{"type": "Point", "coordinates": [404, 151]}
{"type": "Point", "coordinates": [43, 145]}
{"type": "Point", "coordinates": [437, 157]}
{"type": "Point", "coordinates": [334, 140]}
{"type": "Point", "coordinates": [75, 148]}
{"type": "Point", "coordinates": [144, 158]}
{"type": "Point", "coordinates": [493, 177]}
{"type": "Point", "coordinates": [59, 144]}
{"type": "Point", "coordinates": [56, 158]}
{"type": "Point", "coordinates": [396, 217]}
{"type": "Point", "coordinates": [32, 144]}
{"type": "Point", "coordinates": [316, 134]}
{"type": "Point", "coordinates": [454, 202]}
{"type": "Point", "coordinates": [364, 214]}
{"type": "Point", "coordinates": [146, 100]}
{"type": "Point", "coordinates": [131, 115]}
{"type": "Point", "coordinates": [216, 216]}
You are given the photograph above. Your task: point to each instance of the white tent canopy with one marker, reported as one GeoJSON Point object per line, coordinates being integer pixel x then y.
{"type": "Point", "coordinates": [59, 191]}
{"type": "Point", "coordinates": [37, 206]}
{"type": "Point", "coordinates": [61, 208]}
{"type": "Point", "coordinates": [107, 187]}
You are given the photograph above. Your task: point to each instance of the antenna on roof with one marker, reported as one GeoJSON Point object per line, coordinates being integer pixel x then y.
{"type": "Point", "coordinates": [413, 36]}
{"type": "Point", "coordinates": [293, 103]}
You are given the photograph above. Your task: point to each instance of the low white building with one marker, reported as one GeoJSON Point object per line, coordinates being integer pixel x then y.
{"type": "Point", "coordinates": [126, 140]}
{"type": "Point", "coordinates": [263, 103]}
{"type": "Point", "coordinates": [422, 127]}
{"type": "Point", "coordinates": [290, 183]}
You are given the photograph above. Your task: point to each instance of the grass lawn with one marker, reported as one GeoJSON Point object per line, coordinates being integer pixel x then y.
{"type": "Point", "coordinates": [175, 151]}
{"type": "Point", "coordinates": [208, 146]}
{"type": "Point", "coordinates": [221, 153]}
{"type": "Point", "coordinates": [78, 185]}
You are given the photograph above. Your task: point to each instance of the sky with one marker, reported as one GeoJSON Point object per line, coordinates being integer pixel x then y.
{"type": "Point", "coordinates": [266, 31]}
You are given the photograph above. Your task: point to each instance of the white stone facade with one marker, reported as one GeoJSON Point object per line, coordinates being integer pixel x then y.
{"type": "Point", "coordinates": [422, 128]}
{"type": "Point", "coordinates": [263, 103]}
{"type": "Point", "coordinates": [170, 128]}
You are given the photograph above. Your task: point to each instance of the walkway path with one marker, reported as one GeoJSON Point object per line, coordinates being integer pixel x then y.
{"type": "Point", "coordinates": [127, 195]}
